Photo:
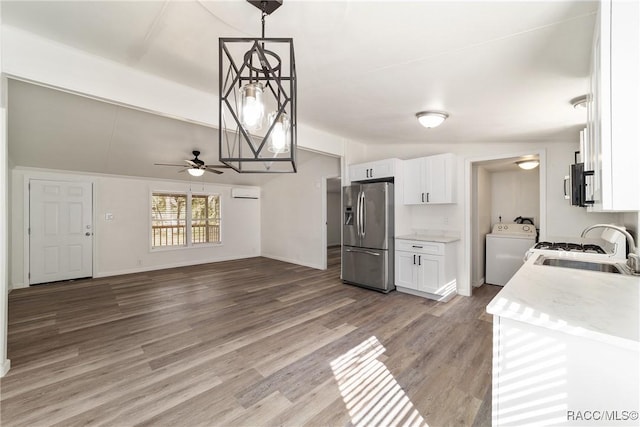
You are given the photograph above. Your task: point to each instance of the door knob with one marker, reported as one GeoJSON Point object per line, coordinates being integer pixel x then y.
{"type": "Point", "coordinates": [87, 234]}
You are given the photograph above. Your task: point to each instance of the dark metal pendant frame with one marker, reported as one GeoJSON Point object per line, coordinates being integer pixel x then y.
{"type": "Point", "coordinates": [238, 148]}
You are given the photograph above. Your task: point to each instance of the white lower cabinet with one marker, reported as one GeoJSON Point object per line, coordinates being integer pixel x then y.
{"type": "Point", "coordinates": [547, 377]}
{"type": "Point", "coordinates": [425, 268]}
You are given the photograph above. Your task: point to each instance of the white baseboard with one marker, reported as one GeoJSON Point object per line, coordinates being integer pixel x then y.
{"type": "Point", "coordinates": [440, 298]}
{"type": "Point", "coordinates": [143, 269]}
{"type": "Point", "coordinates": [478, 283]}
{"type": "Point", "coordinates": [293, 261]}
{"type": "Point", "coordinates": [13, 286]}
{"type": "Point", "coordinates": [4, 368]}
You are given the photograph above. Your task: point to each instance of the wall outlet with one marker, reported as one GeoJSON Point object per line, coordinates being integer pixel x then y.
{"type": "Point", "coordinates": [446, 220]}
{"type": "Point", "coordinates": [139, 262]}
{"type": "Point", "coordinates": [108, 216]}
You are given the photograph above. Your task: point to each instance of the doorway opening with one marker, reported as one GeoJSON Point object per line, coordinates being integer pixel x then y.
{"type": "Point", "coordinates": [333, 222]}
{"type": "Point", "coordinates": [500, 192]}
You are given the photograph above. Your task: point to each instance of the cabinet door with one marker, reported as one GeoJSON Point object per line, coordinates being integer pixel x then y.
{"type": "Point", "coordinates": [383, 169]}
{"type": "Point", "coordinates": [373, 170]}
{"type": "Point", "coordinates": [413, 181]}
{"type": "Point", "coordinates": [429, 276]}
{"type": "Point", "coordinates": [439, 179]}
{"type": "Point", "coordinates": [358, 172]}
{"type": "Point", "coordinates": [406, 272]}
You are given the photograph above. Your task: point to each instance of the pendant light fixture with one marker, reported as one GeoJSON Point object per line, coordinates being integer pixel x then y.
{"type": "Point", "coordinates": [257, 109]}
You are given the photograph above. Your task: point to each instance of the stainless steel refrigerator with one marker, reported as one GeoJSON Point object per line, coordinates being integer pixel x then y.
{"type": "Point", "coordinates": [367, 235]}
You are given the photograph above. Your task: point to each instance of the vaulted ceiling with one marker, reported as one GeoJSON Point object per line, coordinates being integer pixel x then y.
{"type": "Point", "coordinates": [505, 71]}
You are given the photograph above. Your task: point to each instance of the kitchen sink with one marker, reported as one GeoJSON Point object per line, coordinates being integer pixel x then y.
{"type": "Point", "coordinates": [580, 265]}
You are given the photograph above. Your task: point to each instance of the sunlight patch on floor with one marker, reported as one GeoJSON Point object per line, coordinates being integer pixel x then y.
{"type": "Point", "coordinates": [370, 392]}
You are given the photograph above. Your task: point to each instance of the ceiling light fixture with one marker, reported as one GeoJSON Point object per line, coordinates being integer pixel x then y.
{"type": "Point", "coordinates": [580, 102]}
{"type": "Point", "coordinates": [528, 164]}
{"type": "Point", "coordinates": [195, 171]}
{"type": "Point", "coordinates": [431, 119]}
{"type": "Point", "coordinates": [257, 114]}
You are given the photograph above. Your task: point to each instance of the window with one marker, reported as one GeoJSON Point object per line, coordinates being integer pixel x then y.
{"type": "Point", "coordinates": [205, 219]}
{"type": "Point", "coordinates": [184, 219]}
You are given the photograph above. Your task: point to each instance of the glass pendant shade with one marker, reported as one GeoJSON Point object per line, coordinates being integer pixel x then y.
{"type": "Point", "coordinates": [279, 140]}
{"type": "Point", "coordinates": [251, 106]}
{"type": "Point", "coordinates": [195, 171]}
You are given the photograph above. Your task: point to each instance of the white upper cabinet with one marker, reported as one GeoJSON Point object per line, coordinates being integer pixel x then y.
{"type": "Point", "coordinates": [372, 170]}
{"type": "Point", "coordinates": [430, 180]}
{"type": "Point", "coordinates": [613, 126]}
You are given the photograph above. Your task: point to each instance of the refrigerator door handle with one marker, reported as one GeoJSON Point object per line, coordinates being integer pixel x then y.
{"type": "Point", "coordinates": [363, 251]}
{"type": "Point", "coordinates": [364, 214]}
{"type": "Point", "coordinates": [359, 214]}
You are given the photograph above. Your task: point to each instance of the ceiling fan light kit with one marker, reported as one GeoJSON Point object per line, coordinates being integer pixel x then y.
{"type": "Point", "coordinates": [257, 107]}
{"type": "Point", "coordinates": [431, 119]}
{"type": "Point", "coordinates": [196, 167]}
{"type": "Point", "coordinates": [195, 171]}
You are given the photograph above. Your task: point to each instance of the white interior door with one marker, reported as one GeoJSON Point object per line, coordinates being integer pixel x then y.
{"type": "Point", "coordinates": [60, 230]}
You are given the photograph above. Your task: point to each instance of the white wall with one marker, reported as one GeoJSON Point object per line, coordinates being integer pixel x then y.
{"type": "Point", "coordinates": [514, 194]}
{"type": "Point", "coordinates": [481, 222]}
{"type": "Point", "coordinates": [334, 219]}
{"type": "Point", "coordinates": [33, 58]}
{"type": "Point", "coordinates": [122, 245]}
{"type": "Point", "coordinates": [292, 212]}
{"type": "Point", "coordinates": [4, 218]}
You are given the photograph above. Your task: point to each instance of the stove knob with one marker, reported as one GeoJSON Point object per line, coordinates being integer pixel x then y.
{"type": "Point", "coordinates": [506, 227]}
{"type": "Point", "coordinates": [526, 228]}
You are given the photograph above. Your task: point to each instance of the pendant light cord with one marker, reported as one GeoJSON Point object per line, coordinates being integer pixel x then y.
{"type": "Point", "coordinates": [264, 13]}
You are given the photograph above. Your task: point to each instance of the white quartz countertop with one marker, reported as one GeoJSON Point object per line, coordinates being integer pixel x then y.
{"type": "Point", "coordinates": [595, 305]}
{"type": "Point", "coordinates": [422, 237]}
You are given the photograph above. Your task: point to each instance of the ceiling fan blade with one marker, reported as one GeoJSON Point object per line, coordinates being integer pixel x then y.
{"type": "Point", "coordinates": [210, 169]}
{"type": "Point", "coordinates": [192, 163]}
{"type": "Point", "coordinates": [167, 164]}
{"type": "Point", "coordinates": [219, 166]}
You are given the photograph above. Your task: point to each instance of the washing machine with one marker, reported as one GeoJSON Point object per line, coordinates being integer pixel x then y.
{"type": "Point", "coordinates": [506, 246]}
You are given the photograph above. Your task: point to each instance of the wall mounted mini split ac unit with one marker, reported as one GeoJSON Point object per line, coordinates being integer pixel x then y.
{"type": "Point", "coordinates": [245, 193]}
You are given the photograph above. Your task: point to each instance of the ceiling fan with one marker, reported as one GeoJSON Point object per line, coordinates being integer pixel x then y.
{"type": "Point", "coordinates": [195, 166]}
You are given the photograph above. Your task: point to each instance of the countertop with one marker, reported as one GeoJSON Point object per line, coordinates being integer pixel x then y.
{"type": "Point", "coordinates": [425, 237]}
{"type": "Point", "coordinates": [594, 305]}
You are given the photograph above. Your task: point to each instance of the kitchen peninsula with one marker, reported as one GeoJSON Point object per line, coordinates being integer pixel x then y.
{"type": "Point", "coordinates": [566, 341]}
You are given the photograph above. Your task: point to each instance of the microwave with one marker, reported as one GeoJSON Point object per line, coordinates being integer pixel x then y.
{"type": "Point", "coordinates": [577, 181]}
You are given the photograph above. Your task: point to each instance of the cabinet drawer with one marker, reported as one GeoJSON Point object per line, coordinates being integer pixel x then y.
{"type": "Point", "coordinates": [420, 247]}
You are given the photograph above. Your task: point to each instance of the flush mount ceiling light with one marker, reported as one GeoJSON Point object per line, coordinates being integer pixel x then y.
{"type": "Point", "coordinates": [579, 102]}
{"type": "Point", "coordinates": [257, 113]}
{"type": "Point", "coordinates": [431, 119]}
{"type": "Point", "coordinates": [195, 171]}
{"type": "Point", "coordinates": [528, 164]}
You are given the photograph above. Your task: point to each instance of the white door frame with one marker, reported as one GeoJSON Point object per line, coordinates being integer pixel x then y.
{"type": "Point", "coordinates": [28, 176]}
{"type": "Point", "coordinates": [323, 189]}
{"type": "Point", "coordinates": [468, 199]}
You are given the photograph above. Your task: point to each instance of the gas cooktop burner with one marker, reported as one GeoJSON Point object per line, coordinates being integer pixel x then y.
{"type": "Point", "coordinates": [570, 247]}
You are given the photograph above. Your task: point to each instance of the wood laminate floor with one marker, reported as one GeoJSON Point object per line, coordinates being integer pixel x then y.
{"type": "Point", "coordinates": [242, 343]}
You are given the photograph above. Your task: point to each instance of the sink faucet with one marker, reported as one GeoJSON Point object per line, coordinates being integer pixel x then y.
{"type": "Point", "coordinates": [633, 260]}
